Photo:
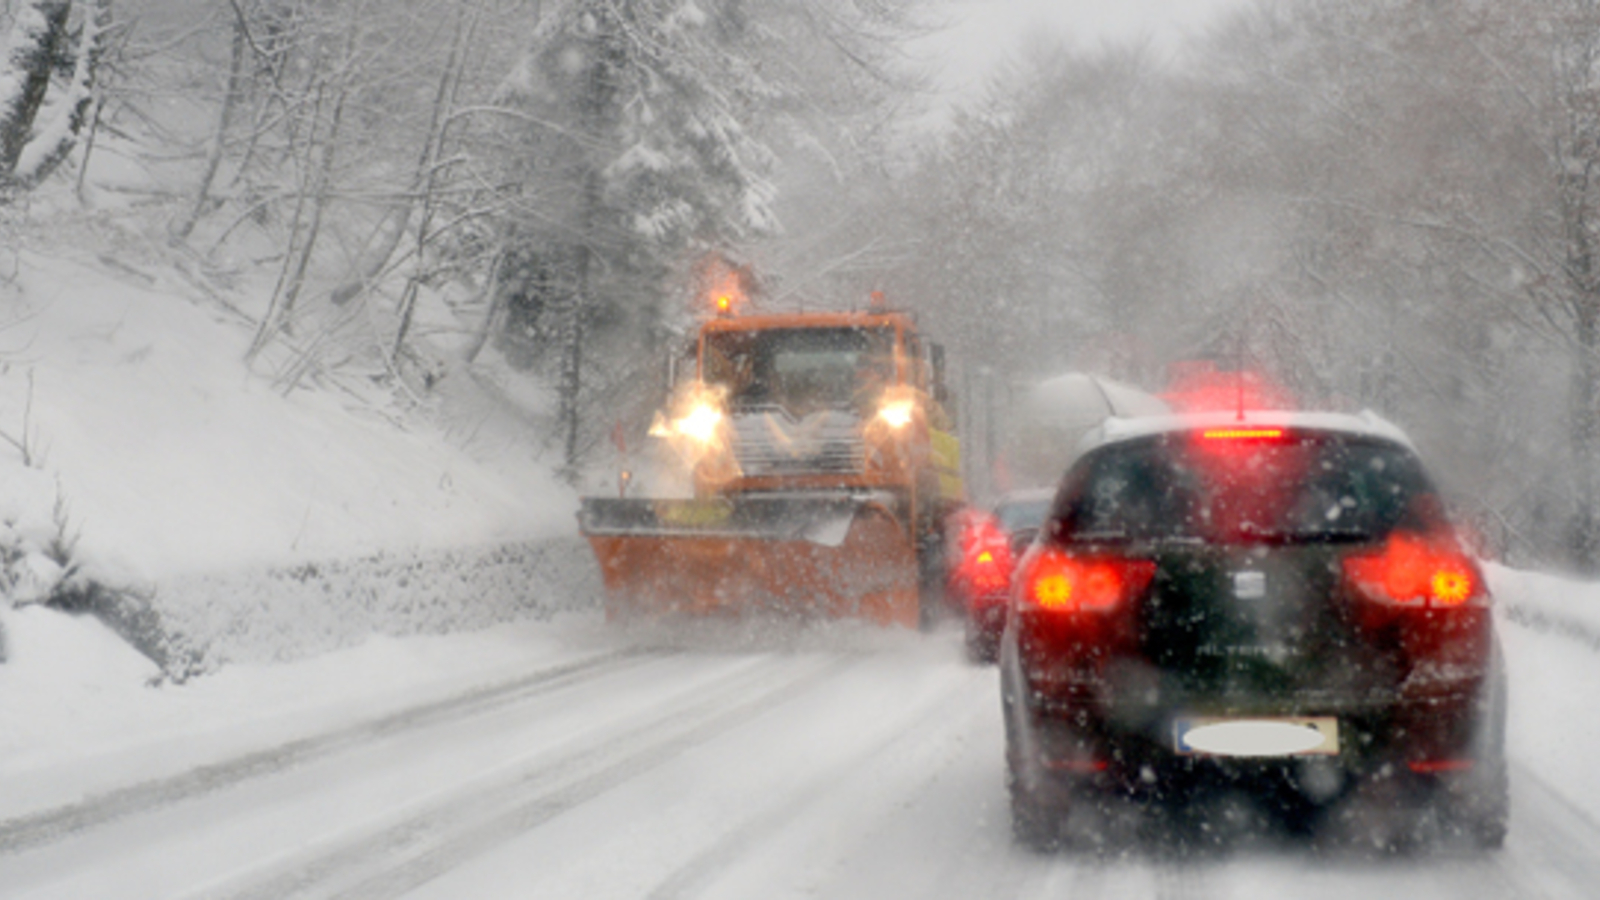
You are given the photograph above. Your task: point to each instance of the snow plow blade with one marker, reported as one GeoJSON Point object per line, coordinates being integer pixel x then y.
{"type": "Point", "coordinates": [833, 556]}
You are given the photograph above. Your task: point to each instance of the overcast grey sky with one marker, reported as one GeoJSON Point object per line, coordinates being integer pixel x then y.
{"type": "Point", "coordinates": [984, 31]}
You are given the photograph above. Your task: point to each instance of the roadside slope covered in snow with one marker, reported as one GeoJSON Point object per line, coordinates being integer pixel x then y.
{"type": "Point", "coordinates": [140, 453]}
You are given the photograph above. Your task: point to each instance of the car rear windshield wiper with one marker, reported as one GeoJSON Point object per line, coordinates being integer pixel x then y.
{"type": "Point", "coordinates": [1332, 536]}
{"type": "Point", "coordinates": [1110, 536]}
{"type": "Point", "coordinates": [1306, 535]}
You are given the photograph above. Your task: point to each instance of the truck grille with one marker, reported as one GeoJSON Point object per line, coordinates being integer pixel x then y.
{"type": "Point", "coordinates": [771, 441]}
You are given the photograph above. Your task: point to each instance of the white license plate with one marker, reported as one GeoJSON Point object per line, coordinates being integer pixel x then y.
{"type": "Point", "coordinates": [1257, 737]}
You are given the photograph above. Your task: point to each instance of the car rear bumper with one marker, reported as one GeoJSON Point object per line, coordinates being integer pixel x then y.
{"type": "Point", "coordinates": [1135, 744]}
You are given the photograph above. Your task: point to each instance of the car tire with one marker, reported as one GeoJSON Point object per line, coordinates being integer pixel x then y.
{"type": "Point", "coordinates": [1034, 824]}
{"type": "Point", "coordinates": [1479, 816]}
{"type": "Point", "coordinates": [1475, 809]}
{"type": "Point", "coordinates": [1037, 802]}
{"type": "Point", "coordinates": [1036, 811]}
{"type": "Point", "coordinates": [982, 649]}
{"type": "Point", "coordinates": [1485, 812]}
{"type": "Point", "coordinates": [930, 580]}
{"type": "Point", "coordinates": [1489, 832]}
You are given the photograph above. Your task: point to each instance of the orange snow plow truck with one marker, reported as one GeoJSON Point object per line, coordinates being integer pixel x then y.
{"type": "Point", "coordinates": [822, 465]}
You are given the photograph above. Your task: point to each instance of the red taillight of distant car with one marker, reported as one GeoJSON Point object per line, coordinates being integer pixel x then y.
{"type": "Point", "coordinates": [1056, 581]}
{"type": "Point", "coordinates": [1414, 571]}
{"type": "Point", "coordinates": [986, 559]}
{"type": "Point", "coordinates": [990, 571]}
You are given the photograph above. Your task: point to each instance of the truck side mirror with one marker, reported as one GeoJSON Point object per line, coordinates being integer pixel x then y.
{"type": "Point", "coordinates": [680, 363]}
{"type": "Point", "coordinates": [940, 392]}
{"type": "Point", "coordinates": [936, 358]}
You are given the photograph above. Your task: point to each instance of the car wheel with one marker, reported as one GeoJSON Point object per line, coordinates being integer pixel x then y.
{"type": "Point", "coordinates": [1483, 812]}
{"type": "Point", "coordinates": [1488, 832]}
{"type": "Point", "coordinates": [1475, 813]}
{"type": "Point", "coordinates": [983, 649]}
{"type": "Point", "coordinates": [1034, 823]}
{"type": "Point", "coordinates": [930, 580]}
{"type": "Point", "coordinates": [1038, 805]}
{"type": "Point", "coordinates": [1036, 810]}
{"type": "Point", "coordinates": [1053, 811]}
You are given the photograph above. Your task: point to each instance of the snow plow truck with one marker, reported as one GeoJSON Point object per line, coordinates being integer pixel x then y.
{"type": "Point", "coordinates": [822, 463]}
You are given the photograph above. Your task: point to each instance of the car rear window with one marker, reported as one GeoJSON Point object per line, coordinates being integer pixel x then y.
{"type": "Point", "coordinates": [1301, 487]}
{"type": "Point", "coordinates": [1017, 514]}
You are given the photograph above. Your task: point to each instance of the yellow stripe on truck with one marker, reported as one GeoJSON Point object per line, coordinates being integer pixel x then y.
{"type": "Point", "coordinates": [945, 452]}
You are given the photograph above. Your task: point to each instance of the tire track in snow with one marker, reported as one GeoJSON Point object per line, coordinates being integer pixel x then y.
{"type": "Point", "coordinates": [1552, 794]}
{"type": "Point", "coordinates": [1556, 844]}
{"type": "Point", "coordinates": [948, 833]}
{"type": "Point", "coordinates": [401, 855]}
{"type": "Point", "coordinates": [51, 825]}
{"type": "Point", "coordinates": [885, 752]}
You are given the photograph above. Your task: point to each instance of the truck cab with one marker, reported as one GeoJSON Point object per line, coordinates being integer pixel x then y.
{"type": "Point", "coordinates": [823, 462]}
{"type": "Point", "coordinates": [831, 400]}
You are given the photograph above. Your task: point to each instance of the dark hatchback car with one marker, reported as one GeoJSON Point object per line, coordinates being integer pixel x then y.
{"type": "Point", "coordinates": [1270, 606]}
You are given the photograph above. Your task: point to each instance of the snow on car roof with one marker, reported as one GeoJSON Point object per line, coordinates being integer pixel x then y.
{"type": "Point", "coordinates": [1366, 423]}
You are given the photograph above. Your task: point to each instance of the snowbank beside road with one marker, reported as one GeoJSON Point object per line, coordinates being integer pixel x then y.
{"type": "Point", "coordinates": [83, 714]}
{"type": "Point", "coordinates": [286, 612]}
{"type": "Point", "coordinates": [1548, 603]}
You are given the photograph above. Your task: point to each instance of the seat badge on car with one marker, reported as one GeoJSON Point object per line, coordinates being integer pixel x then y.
{"type": "Point", "coordinates": [1249, 585]}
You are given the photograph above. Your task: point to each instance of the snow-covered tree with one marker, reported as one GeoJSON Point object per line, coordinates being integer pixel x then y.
{"type": "Point", "coordinates": [650, 132]}
{"type": "Point", "coordinates": [632, 152]}
{"type": "Point", "coordinates": [1044, 219]}
{"type": "Point", "coordinates": [39, 126]}
{"type": "Point", "coordinates": [329, 133]}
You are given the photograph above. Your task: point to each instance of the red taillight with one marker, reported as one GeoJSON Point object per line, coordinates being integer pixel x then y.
{"type": "Point", "coordinates": [1412, 570]}
{"type": "Point", "coordinates": [1058, 581]}
{"type": "Point", "coordinates": [986, 559]}
{"type": "Point", "coordinates": [988, 574]}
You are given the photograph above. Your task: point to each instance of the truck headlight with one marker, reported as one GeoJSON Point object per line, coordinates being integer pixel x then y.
{"type": "Point", "coordinates": [700, 423]}
{"type": "Point", "coordinates": [694, 433]}
{"type": "Point", "coordinates": [896, 413]}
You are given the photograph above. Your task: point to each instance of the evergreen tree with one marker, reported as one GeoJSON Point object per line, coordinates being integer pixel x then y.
{"type": "Point", "coordinates": [634, 154]}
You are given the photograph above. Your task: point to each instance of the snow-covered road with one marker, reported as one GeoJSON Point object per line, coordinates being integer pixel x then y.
{"type": "Point", "coordinates": [850, 765]}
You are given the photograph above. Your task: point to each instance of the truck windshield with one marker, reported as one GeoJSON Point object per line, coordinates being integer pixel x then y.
{"type": "Point", "coordinates": [801, 368]}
